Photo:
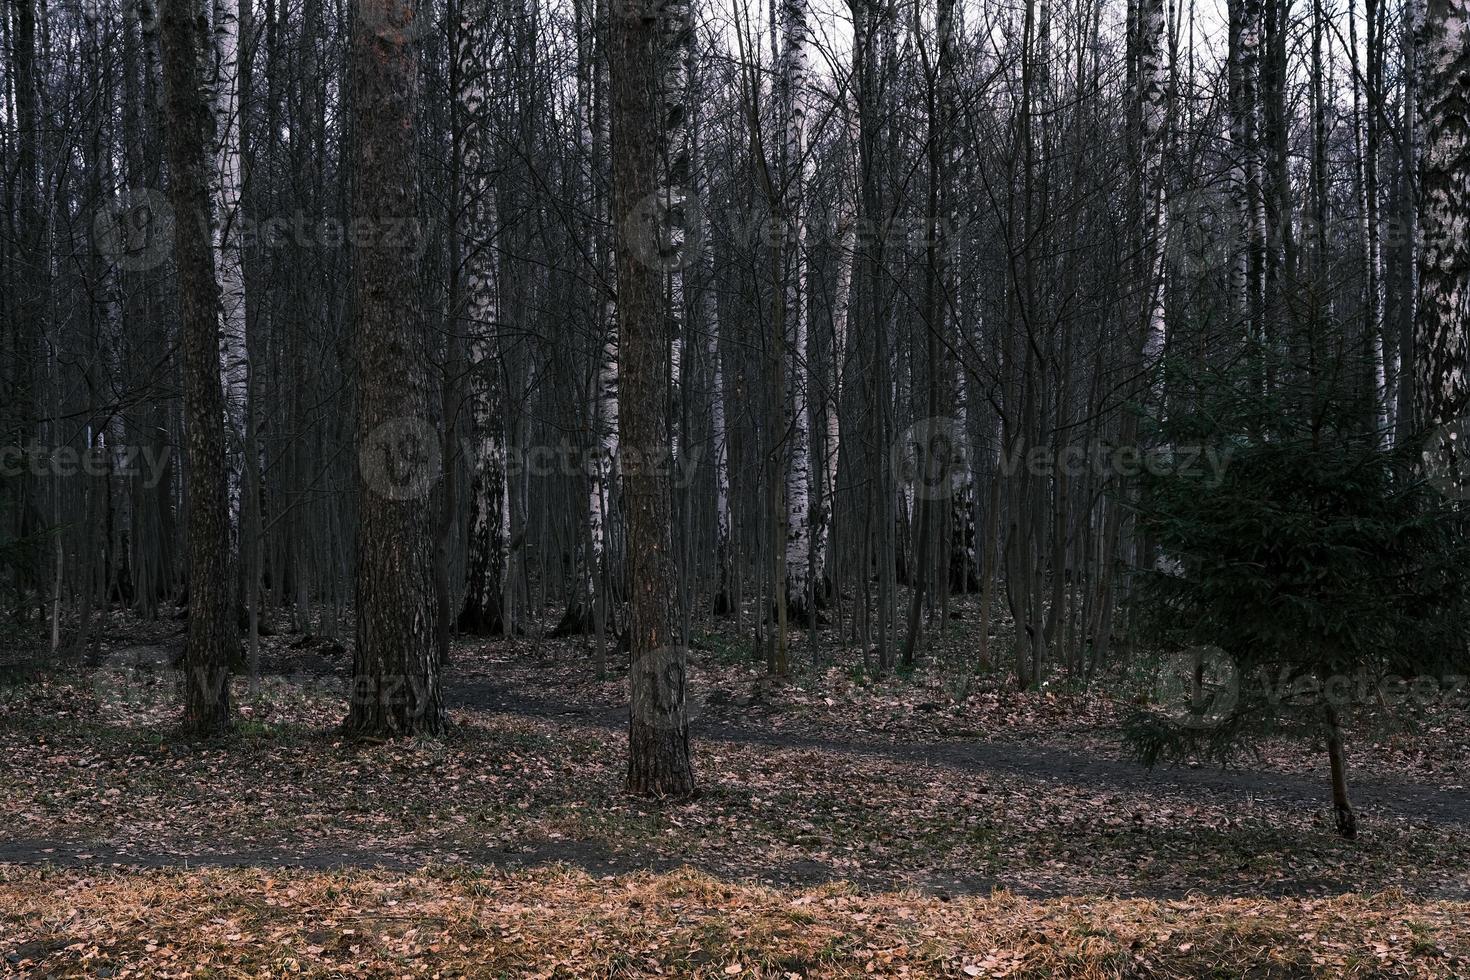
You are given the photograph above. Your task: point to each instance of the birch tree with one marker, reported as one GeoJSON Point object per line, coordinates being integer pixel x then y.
{"type": "Point", "coordinates": [1442, 326]}
{"type": "Point", "coordinates": [796, 174]}
{"type": "Point", "coordinates": [484, 611]}
{"type": "Point", "coordinates": [224, 97]}
{"type": "Point", "coordinates": [1153, 109]}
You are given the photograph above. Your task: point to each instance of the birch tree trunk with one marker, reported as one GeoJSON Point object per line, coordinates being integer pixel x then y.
{"type": "Point", "coordinates": [724, 604]}
{"type": "Point", "coordinates": [483, 612]}
{"type": "Point", "coordinates": [1442, 327]}
{"type": "Point", "coordinates": [724, 588]}
{"type": "Point", "coordinates": [213, 638]}
{"type": "Point", "coordinates": [796, 174]}
{"type": "Point", "coordinates": [228, 242]}
{"type": "Point", "coordinates": [602, 469]}
{"type": "Point", "coordinates": [1153, 89]}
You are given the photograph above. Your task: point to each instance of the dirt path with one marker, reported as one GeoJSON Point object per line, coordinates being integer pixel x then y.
{"type": "Point", "coordinates": [1385, 800]}
{"type": "Point", "coordinates": [1381, 798]}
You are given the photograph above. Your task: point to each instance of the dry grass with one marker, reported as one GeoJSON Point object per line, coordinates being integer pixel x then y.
{"type": "Point", "coordinates": [562, 922]}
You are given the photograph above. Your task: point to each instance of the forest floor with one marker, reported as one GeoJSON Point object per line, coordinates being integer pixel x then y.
{"type": "Point", "coordinates": [928, 822]}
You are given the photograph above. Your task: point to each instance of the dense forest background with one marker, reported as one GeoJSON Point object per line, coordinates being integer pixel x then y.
{"type": "Point", "coordinates": [402, 319]}
{"type": "Point", "coordinates": [632, 488]}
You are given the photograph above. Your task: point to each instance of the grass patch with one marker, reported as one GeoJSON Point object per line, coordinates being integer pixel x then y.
{"type": "Point", "coordinates": [557, 921]}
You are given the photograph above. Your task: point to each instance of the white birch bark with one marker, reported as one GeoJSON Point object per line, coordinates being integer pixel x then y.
{"type": "Point", "coordinates": [224, 94]}
{"type": "Point", "coordinates": [723, 601]}
{"type": "Point", "coordinates": [487, 570]}
{"type": "Point", "coordinates": [602, 465]}
{"type": "Point", "coordinates": [1153, 81]}
{"type": "Point", "coordinates": [795, 70]}
{"type": "Point", "coordinates": [602, 468]}
{"type": "Point", "coordinates": [1442, 326]}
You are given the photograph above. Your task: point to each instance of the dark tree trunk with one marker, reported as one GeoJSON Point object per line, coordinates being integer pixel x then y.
{"type": "Point", "coordinates": [1346, 819]}
{"type": "Point", "coordinates": [658, 730]}
{"type": "Point", "coordinates": [213, 637]}
{"type": "Point", "coordinates": [396, 690]}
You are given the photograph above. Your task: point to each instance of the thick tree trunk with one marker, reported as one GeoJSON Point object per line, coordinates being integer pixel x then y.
{"type": "Point", "coordinates": [1442, 328]}
{"type": "Point", "coordinates": [396, 688]}
{"type": "Point", "coordinates": [658, 732]}
{"type": "Point", "coordinates": [213, 638]}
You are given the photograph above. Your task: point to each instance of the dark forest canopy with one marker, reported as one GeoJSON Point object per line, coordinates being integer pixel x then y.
{"type": "Point", "coordinates": [403, 319]}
